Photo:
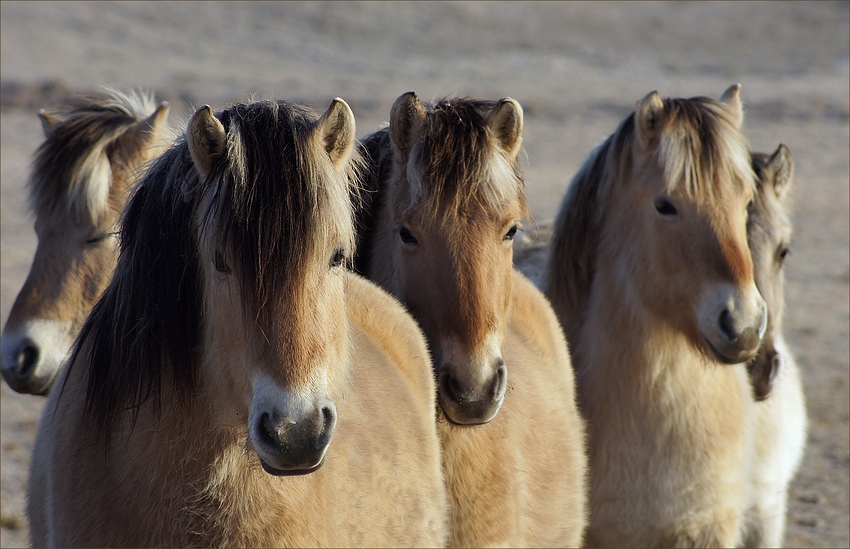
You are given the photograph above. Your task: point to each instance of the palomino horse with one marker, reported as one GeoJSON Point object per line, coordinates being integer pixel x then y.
{"type": "Point", "coordinates": [92, 154]}
{"type": "Point", "coordinates": [780, 419]}
{"type": "Point", "coordinates": [780, 431]}
{"type": "Point", "coordinates": [447, 198]}
{"type": "Point", "coordinates": [232, 356]}
{"type": "Point", "coordinates": [652, 279]}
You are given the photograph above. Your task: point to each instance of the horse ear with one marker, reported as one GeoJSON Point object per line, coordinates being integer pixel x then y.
{"type": "Point", "coordinates": [336, 129]}
{"type": "Point", "coordinates": [144, 131]}
{"type": "Point", "coordinates": [48, 122]}
{"type": "Point", "coordinates": [781, 164]}
{"type": "Point", "coordinates": [206, 139]}
{"type": "Point", "coordinates": [405, 117]}
{"type": "Point", "coordinates": [732, 98]}
{"type": "Point", "coordinates": [649, 117]}
{"type": "Point", "coordinates": [505, 121]}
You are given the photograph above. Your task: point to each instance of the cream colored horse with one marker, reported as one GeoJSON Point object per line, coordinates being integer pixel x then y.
{"type": "Point", "coordinates": [780, 420]}
{"type": "Point", "coordinates": [93, 151]}
{"type": "Point", "coordinates": [236, 385]}
{"type": "Point", "coordinates": [446, 201]}
{"type": "Point", "coordinates": [652, 279]}
{"type": "Point", "coordinates": [781, 416]}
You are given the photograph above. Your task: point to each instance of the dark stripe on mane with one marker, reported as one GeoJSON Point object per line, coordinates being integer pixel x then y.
{"type": "Point", "coordinates": [455, 151]}
{"type": "Point", "coordinates": [377, 153]}
{"type": "Point", "coordinates": [89, 124]}
{"type": "Point", "coordinates": [264, 198]}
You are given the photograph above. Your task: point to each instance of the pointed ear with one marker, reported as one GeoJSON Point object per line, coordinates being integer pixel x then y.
{"type": "Point", "coordinates": [732, 98]}
{"type": "Point", "coordinates": [649, 118]}
{"type": "Point", "coordinates": [146, 130]}
{"type": "Point", "coordinates": [405, 119]}
{"type": "Point", "coordinates": [48, 122]}
{"type": "Point", "coordinates": [206, 139]}
{"type": "Point", "coordinates": [781, 166]}
{"type": "Point", "coordinates": [336, 129]}
{"type": "Point", "coordinates": [505, 121]}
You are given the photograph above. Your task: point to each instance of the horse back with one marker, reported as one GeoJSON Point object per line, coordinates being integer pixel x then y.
{"type": "Point", "coordinates": [390, 405]}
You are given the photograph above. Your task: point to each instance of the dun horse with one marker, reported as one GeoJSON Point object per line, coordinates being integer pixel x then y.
{"type": "Point", "coordinates": [780, 430]}
{"type": "Point", "coordinates": [447, 198]}
{"type": "Point", "coordinates": [652, 279]}
{"type": "Point", "coordinates": [781, 418]}
{"type": "Point", "coordinates": [233, 355]}
{"type": "Point", "coordinates": [92, 154]}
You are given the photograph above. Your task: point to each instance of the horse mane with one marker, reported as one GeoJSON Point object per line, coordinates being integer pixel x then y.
{"type": "Point", "coordinates": [376, 150]}
{"type": "Point", "coordinates": [699, 148]}
{"type": "Point", "coordinates": [455, 159]}
{"type": "Point", "coordinates": [71, 170]}
{"type": "Point", "coordinates": [264, 202]}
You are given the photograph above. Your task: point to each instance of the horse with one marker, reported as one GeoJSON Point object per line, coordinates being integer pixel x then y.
{"type": "Point", "coordinates": [780, 415]}
{"type": "Point", "coordinates": [650, 274]}
{"type": "Point", "coordinates": [780, 420]}
{"type": "Point", "coordinates": [94, 149]}
{"type": "Point", "coordinates": [444, 200]}
{"type": "Point", "coordinates": [259, 392]}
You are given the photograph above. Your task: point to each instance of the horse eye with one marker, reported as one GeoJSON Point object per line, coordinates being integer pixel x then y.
{"type": "Point", "coordinates": [511, 233]}
{"type": "Point", "coordinates": [95, 239]}
{"type": "Point", "coordinates": [220, 264]}
{"type": "Point", "coordinates": [665, 207]}
{"type": "Point", "coordinates": [782, 253]}
{"type": "Point", "coordinates": [406, 236]}
{"type": "Point", "coordinates": [337, 258]}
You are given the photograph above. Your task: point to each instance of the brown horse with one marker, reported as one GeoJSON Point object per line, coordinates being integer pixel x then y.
{"type": "Point", "coordinates": [652, 278]}
{"type": "Point", "coordinates": [780, 419]}
{"type": "Point", "coordinates": [235, 385]}
{"type": "Point", "coordinates": [446, 200]}
{"type": "Point", "coordinates": [93, 151]}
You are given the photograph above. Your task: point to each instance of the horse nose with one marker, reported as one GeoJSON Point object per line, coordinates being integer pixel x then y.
{"type": "Point", "coordinates": [295, 447]}
{"type": "Point", "coordinates": [739, 339]}
{"type": "Point", "coordinates": [19, 368]}
{"type": "Point", "coordinates": [466, 405]}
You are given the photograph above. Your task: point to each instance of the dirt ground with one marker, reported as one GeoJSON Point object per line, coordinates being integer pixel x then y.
{"type": "Point", "coordinates": [577, 69]}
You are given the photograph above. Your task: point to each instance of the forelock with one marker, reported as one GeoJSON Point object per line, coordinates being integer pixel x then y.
{"type": "Point", "coordinates": [701, 149]}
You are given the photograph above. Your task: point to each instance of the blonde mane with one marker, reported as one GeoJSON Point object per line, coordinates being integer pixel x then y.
{"type": "Point", "coordinates": [71, 171]}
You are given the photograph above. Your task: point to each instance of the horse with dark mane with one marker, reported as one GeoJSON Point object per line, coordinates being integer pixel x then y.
{"type": "Point", "coordinates": [95, 147]}
{"type": "Point", "coordinates": [446, 200]}
{"type": "Point", "coordinates": [236, 385]}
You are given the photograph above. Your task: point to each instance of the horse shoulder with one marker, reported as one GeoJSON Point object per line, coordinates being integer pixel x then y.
{"type": "Point", "coordinates": [543, 384]}
{"type": "Point", "coordinates": [387, 324]}
{"type": "Point", "coordinates": [390, 408]}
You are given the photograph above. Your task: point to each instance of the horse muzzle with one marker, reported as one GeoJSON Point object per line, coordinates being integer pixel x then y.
{"type": "Point", "coordinates": [287, 446]}
{"type": "Point", "coordinates": [464, 405]}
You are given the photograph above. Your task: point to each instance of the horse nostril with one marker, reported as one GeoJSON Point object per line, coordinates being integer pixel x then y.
{"type": "Point", "coordinates": [328, 424]}
{"type": "Point", "coordinates": [267, 431]}
{"type": "Point", "coordinates": [449, 385]}
{"type": "Point", "coordinates": [727, 326]}
{"type": "Point", "coordinates": [501, 381]}
{"type": "Point", "coordinates": [26, 359]}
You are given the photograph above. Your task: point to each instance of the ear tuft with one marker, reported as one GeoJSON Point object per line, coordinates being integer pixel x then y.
{"type": "Point", "coordinates": [406, 117]}
{"type": "Point", "coordinates": [337, 130]}
{"type": "Point", "coordinates": [505, 120]}
{"type": "Point", "coordinates": [649, 118]}
{"type": "Point", "coordinates": [206, 138]}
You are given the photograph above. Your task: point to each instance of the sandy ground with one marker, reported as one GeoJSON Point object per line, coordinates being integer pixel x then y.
{"type": "Point", "coordinates": [577, 68]}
